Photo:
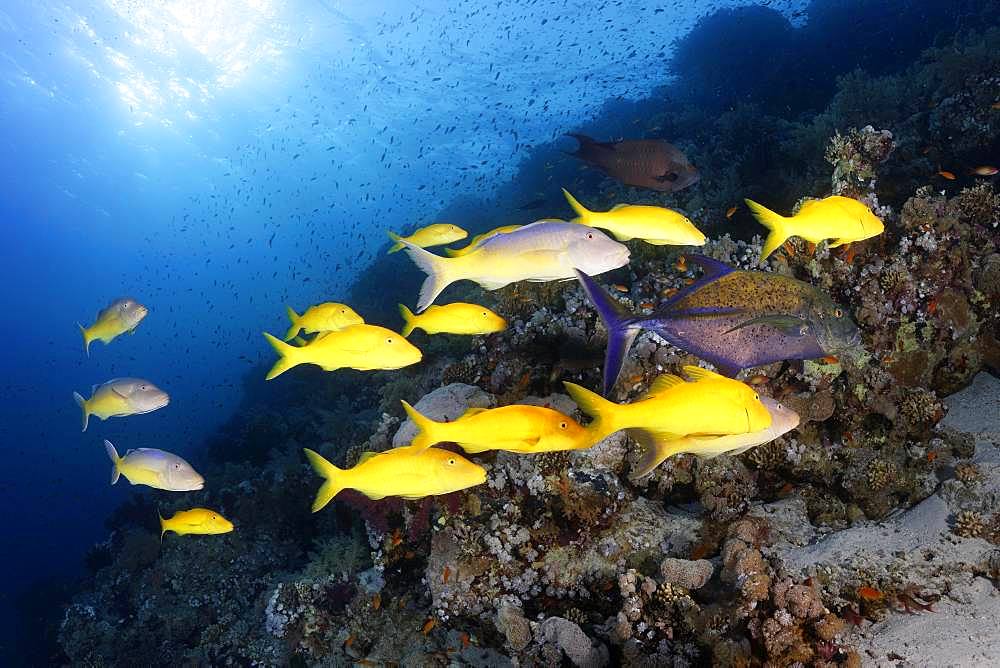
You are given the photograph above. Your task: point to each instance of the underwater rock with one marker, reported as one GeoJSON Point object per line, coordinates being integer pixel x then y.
{"type": "Point", "coordinates": [690, 575]}
{"type": "Point", "coordinates": [570, 638]}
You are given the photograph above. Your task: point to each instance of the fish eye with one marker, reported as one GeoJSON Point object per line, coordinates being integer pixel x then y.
{"type": "Point", "coordinates": [484, 314]}
{"type": "Point", "coordinates": [590, 235]}
{"type": "Point", "coordinates": [756, 397]}
{"type": "Point", "coordinates": [214, 517]}
{"type": "Point", "coordinates": [451, 462]}
{"type": "Point", "coordinates": [142, 387]}
{"type": "Point", "coordinates": [389, 340]}
{"type": "Point", "coordinates": [563, 425]}
{"type": "Point", "coordinates": [838, 313]}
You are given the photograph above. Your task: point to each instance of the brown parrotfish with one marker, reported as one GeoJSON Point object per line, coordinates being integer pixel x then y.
{"type": "Point", "coordinates": [646, 163]}
{"type": "Point", "coordinates": [734, 319]}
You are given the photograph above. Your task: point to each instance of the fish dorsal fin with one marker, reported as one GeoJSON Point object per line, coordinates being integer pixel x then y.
{"type": "Point", "coordinates": [663, 383]}
{"type": "Point", "coordinates": [365, 456]}
{"type": "Point", "coordinates": [808, 204]}
{"type": "Point", "coordinates": [469, 412]}
{"type": "Point", "coordinates": [711, 267]}
{"type": "Point", "coordinates": [696, 374]}
{"type": "Point", "coordinates": [616, 207]}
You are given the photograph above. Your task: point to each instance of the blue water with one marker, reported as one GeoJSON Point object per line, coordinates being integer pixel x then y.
{"type": "Point", "coordinates": [218, 160]}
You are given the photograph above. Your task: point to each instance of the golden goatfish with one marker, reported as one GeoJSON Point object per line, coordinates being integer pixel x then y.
{"type": "Point", "coordinates": [478, 239]}
{"type": "Point", "coordinates": [457, 318]}
{"type": "Point", "coordinates": [361, 347]}
{"type": "Point", "coordinates": [653, 224]}
{"type": "Point", "coordinates": [122, 315]}
{"type": "Point", "coordinates": [546, 250]}
{"type": "Point", "coordinates": [325, 317]}
{"type": "Point", "coordinates": [195, 521]}
{"type": "Point", "coordinates": [437, 234]}
{"type": "Point", "coordinates": [409, 472]}
{"type": "Point", "coordinates": [156, 468]}
{"type": "Point", "coordinates": [841, 219]}
{"type": "Point", "coordinates": [120, 397]}
{"type": "Point", "coordinates": [712, 405]}
{"type": "Point", "coordinates": [516, 428]}
{"type": "Point", "coordinates": [783, 420]}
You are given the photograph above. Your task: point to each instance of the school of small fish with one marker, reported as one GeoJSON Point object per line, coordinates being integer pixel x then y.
{"type": "Point", "coordinates": [731, 318]}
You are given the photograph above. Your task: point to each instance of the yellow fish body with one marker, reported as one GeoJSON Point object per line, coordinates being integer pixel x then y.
{"type": "Point", "coordinates": [409, 472]}
{"type": "Point", "coordinates": [122, 315]}
{"type": "Point", "coordinates": [673, 409]}
{"type": "Point", "coordinates": [841, 219]}
{"type": "Point", "coordinates": [325, 317]}
{"type": "Point", "coordinates": [478, 239]}
{"type": "Point", "coordinates": [516, 428]}
{"type": "Point", "coordinates": [156, 468]}
{"type": "Point", "coordinates": [457, 318]}
{"type": "Point", "coordinates": [120, 397]}
{"type": "Point", "coordinates": [783, 420]}
{"type": "Point", "coordinates": [546, 250]}
{"type": "Point", "coordinates": [437, 234]}
{"type": "Point", "coordinates": [361, 347]}
{"type": "Point", "coordinates": [653, 224]}
{"type": "Point", "coordinates": [200, 521]}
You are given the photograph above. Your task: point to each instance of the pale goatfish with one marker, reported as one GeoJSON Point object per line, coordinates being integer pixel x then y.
{"type": "Point", "coordinates": [841, 219]}
{"type": "Point", "coordinates": [516, 428]}
{"type": "Point", "coordinates": [673, 410]}
{"type": "Point", "coordinates": [478, 239]}
{"type": "Point", "coordinates": [542, 251]}
{"type": "Point", "coordinates": [783, 420]}
{"type": "Point", "coordinates": [120, 397]}
{"type": "Point", "coordinates": [201, 521]}
{"type": "Point", "coordinates": [653, 224]}
{"type": "Point", "coordinates": [361, 347]}
{"type": "Point", "coordinates": [437, 234]}
{"type": "Point", "coordinates": [457, 318]}
{"type": "Point", "coordinates": [409, 472]}
{"type": "Point", "coordinates": [325, 317]}
{"type": "Point", "coordinates": [122, 315]}
{"type": "Point", "coordinates": [155, 468]}
{"type": "Point", "coordinates": [731, 318]}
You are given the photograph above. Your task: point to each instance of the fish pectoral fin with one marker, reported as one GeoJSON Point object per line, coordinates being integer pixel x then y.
{"type": "Point", "coordinates": [119, 393]}
{"type": "Point", "coordinates": [789, 325]}
{"type": "Point", "coordinates": [656, 448]}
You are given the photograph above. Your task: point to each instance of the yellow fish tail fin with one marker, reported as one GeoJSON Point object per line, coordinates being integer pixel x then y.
{"type": "Point", "coordinates": [425, 426]}
{"type": "Point", "coordinates": [408, 319]}
{"type": "Point", "coordinates": [437, 270]}
{"type": "Point", "coordinates": [87, 338]}
{"type": "Point", "coordinates": [398, 246]}
{"type": "Point", "coordinates": [287, 357]}
{"type": "Point", "coordinates": [82, 403]}
{"type": "Point", "coordinates": [333, 477]}
{"type": "Point", "coordinates": [115, 461]}
{"type": "Point", "coordinates": [772, 221]}
{"type": "Point", "coordinates": [656, 449]}
{"type": "Point", "coordinates": [581, 211]}
{"type": "Point", "coordinates": [293, 317]}
{"type": "Point", "coordinates": [597, 407]}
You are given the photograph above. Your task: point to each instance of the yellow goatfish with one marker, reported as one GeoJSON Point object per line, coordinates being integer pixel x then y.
{"type": "Point", "coordinates": [653, 224]}
{"type": "Point", "coordinates": [195, 521]}
{"type": "Point", "coordinates": [516, 428]}
{"type": "Point", "coordinates": [437, 234]}
{"type": "Point", "coordinates": [783, 420]}
{"type": "Point", "coordinates": [156, 468]}
{"type": "Point", "coordinates": [120, 397]}
{"type": "Point", "coordinates": [409, 472]}
{"type": "Point", "coordinates": [712, 405]}
{"type": "Point", "coordinates": [478, 239]}
{"type": "Point", "coordinates": [457, 318]}
{"type": "Point", "coordinates": [122, 315]}
{"type": "Point", "coordinates": [325, 317]}
{"type": "Point", "coordinates": [841, 219]}
{"type": "Point", "coordinates": [547, 250]}
{"type": "Point", "coordinates": [361, 347]}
